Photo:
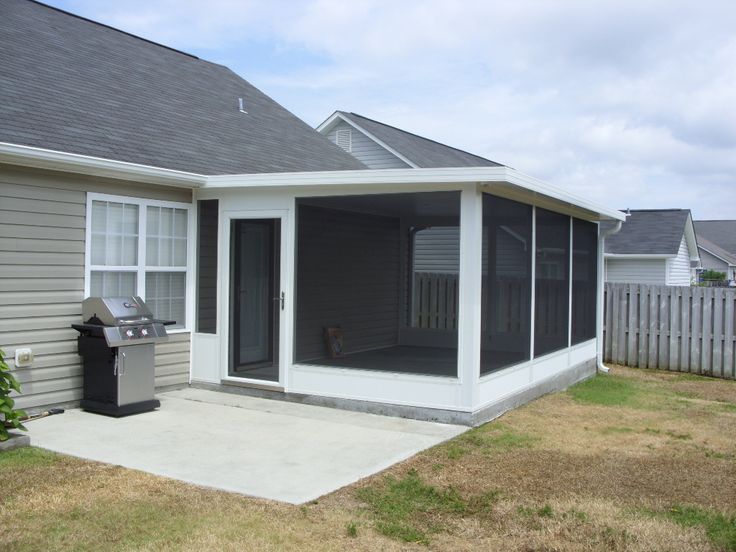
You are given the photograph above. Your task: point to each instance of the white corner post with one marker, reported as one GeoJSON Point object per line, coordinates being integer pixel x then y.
{"type": "Point", "coordinates": [469, 294]}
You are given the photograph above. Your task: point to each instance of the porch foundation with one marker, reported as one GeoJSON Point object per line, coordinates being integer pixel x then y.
{"type": "Point", "coordinates": [558, 382]}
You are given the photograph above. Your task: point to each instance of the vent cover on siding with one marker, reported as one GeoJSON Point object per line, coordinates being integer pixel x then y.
{"type": "Point", "coordinates": [344, 139]}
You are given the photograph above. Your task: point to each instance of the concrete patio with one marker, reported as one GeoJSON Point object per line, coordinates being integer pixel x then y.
{"type": "Point", "coordinates": [259, 447]}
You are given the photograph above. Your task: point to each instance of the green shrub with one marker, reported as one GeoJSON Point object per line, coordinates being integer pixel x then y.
{"type": "Point", "coordinates": [9, 416]}
{"type": "Point", "coordinates": [713, 275]}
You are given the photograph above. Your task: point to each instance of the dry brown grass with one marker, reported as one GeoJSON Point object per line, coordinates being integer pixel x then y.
{"type": "Point", "coordinates": [561, 473]}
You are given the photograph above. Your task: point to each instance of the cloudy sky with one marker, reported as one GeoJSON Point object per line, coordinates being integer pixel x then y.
{"type": "Point", "coordinates": [629, 103]}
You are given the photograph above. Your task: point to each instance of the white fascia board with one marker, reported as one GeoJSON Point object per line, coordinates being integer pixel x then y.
{"type": "Point", "coordinates": [692, 243]}
{"type": "Point", "coordinates": [28, 156]}
{"type": "Point", "coordinates": [329, 122]}
{"type": "Point", "coordinates": [641, 256]}
{"type": "Point", "coordinates": [339, 116]}
{"type": "Point", "coordinates": [409, 177]}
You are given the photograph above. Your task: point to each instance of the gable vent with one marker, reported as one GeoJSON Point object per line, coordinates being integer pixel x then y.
{"type": "Point", "coordinates": [344, 139]}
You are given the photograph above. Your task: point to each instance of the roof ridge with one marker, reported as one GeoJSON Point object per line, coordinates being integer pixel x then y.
{"type": "Point", "coordinates": [418, 136]}
{"type": "Point", "coordinates": [88, 20]}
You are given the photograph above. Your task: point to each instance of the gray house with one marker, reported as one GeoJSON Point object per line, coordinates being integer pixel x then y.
{"type": "Point", "coordinates": [717, 246]}
{"type": "Point", "coordinates": [655, 246]}
{"type": "Point", "coordinates": [130, 168]}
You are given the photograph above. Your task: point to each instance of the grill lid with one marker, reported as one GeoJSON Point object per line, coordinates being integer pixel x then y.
{"type": "Point", "coordinates": [116, 311]}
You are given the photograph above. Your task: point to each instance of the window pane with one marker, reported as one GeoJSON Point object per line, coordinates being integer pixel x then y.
{"type": "Point", "coordinates": [435, 267]}
{"type": "Point", "coordinates": [112, 284]}
{"type": "Point", "coordinates": [166, 296]}
{"type": "Point", "coordinates": [114, 234]}
{"type": "Point", "coordinates": [551, 304]}
{"type": "Point", "coordinates": [507, 283]}
{"type": "Point", "coordinates": [584, 279]}
{"type": "Point", "coordinates": [166, 236]}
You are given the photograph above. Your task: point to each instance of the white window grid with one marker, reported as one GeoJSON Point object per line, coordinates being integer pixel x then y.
{"type": "Point", "coordinates": [141, 268]}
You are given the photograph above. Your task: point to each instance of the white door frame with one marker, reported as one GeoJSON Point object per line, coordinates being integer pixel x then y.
{"type": "Point", "coordinates": [283, 216]}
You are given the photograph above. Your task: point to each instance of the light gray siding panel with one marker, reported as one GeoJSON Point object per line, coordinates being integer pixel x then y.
{"type": "Point", "coordinates": [172, 360]}
{"type": "Point", "coordinates": [347, 276]}
{"type": "Point", "coordinates": [711, 262]}
{"type": "Point", "coordinates": [679, 267]}
{"type": "Point", "coordinates": [437, 249]}
{"type": "Point", "coordinates": [636, 271]}
{"type": "Point", "coordinates": [373, 155]}
{"type": "Point", "coordinates": [42, 222]}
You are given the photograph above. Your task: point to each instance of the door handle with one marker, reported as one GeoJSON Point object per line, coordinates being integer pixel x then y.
{"type": "Point", "coordinates": [281, 300]}
{"type": "Point", "coordinates": [121, 370]}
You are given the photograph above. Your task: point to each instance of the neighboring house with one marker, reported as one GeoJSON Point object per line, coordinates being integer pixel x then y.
{"type": "Point", "coordinates": [717, 245]}
{"type": "Point", "coordinates": [127, 167]}
{"type": "Point", "coordinates": [655, 246]}
{"type": "Point", "coordinates": [381, 146]}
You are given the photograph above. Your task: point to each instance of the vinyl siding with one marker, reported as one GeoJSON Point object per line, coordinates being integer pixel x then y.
{"type": "Point", "coordinates": [437, 249]}
{"type": "Point", "coordinates": [636, 271]}
{"type": "Point", "coordinates": [366, 150]}
{"type": "Point", "coordinates": [711, 262]}
{"type": "Point", "coordinates": [348, 275]}
{"type": "Point", "coordinates": [678, 269]}
{"type": "Point", "coordinates": [42, 227]}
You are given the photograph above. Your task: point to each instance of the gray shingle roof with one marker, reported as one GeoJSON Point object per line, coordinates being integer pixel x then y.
{"type": "Point", "coordinates": [722, 233]}
{"type": "Point", "coordinates": [423, 152]}
{"type": "Point", "coordinates": [650, 232]}
{"type": "Point", "coordinates": [73, 85]}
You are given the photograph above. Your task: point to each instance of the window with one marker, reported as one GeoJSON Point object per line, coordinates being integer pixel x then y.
{"type": "Point", "coordinates": [551, 282]}
{"type": "Point", "coordinates": [139, 247]}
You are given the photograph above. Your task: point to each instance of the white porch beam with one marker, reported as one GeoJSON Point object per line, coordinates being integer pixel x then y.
{"type": "Point", "coordinates": [469, 294]}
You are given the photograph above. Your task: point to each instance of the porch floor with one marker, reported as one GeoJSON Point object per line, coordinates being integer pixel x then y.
{"type": "Point", "coordinates": [259, 447]}
{"type": "Point", "coordinates": [434, 361]}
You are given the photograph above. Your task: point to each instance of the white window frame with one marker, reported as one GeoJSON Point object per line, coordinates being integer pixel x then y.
{"type": "Point", "coordinates": [142, 268]}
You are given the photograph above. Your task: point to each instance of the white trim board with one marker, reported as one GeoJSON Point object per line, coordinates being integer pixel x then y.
{"type": "Point", "coordinates": [502, 179]}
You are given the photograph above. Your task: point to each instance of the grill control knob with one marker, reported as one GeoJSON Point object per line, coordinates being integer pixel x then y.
{"type": "Point", "coordinates": [144, 331]}
{"type": "Point", "coordinates": [129, 333]}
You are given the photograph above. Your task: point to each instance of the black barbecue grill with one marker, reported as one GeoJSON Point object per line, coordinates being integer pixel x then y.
{"type": "Point", "coordinates": [116, 343]}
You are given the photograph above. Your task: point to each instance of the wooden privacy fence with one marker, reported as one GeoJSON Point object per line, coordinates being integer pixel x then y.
{"type": "Point", "coordinates": [688, 329]}
{"type": "Point", "coordinates": [435, 301]}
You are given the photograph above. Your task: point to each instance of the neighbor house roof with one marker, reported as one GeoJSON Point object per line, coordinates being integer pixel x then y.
{"type": "Point", "coordinates": [721, 233]}
{"type": "Point", "coordinates": [76, 86]}
{"type": "Point", "coordinates": [650, 232]}
{"type": "Point", "coordinates": [420, 152]}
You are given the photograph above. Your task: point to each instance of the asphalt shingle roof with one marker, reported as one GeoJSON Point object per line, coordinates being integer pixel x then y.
{"type": "Point", "coordinates": [73, 85]}
{"type": "Point", "coordinates": [423, 152]}
{"type": "Point", "coordinates": [650, 232]}
{"type": "Point", "coordinates": [722, 233]}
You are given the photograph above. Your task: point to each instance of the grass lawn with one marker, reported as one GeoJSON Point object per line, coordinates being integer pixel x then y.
{"type": "Point", "coordinates": [636, 460]}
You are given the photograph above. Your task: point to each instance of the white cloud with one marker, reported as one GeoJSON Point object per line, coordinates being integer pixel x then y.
{"type": "Point", "coordinates": [631, 103]}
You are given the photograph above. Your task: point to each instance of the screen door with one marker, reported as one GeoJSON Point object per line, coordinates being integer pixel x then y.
{"type": "Point", "coordinates": [255, 298]}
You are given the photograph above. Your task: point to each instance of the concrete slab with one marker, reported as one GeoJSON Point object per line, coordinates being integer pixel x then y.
{"type": "Point", "coordinates": [259, 447]}
{"type": "Point", "coordinates": [16, 440]}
